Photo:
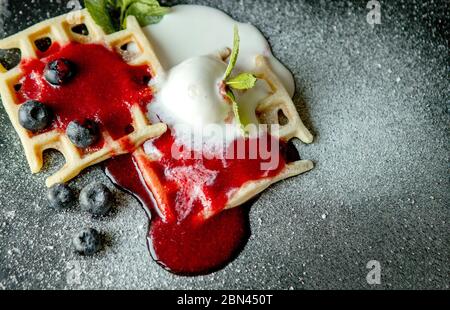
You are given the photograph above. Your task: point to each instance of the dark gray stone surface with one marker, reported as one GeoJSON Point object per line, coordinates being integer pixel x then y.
{"type": "Point", "coordinates": [378, 102]}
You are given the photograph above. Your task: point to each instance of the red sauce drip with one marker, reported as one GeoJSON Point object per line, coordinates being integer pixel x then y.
{"type": "Point", "coordinates": [188, 249]}
{"type": "Point", "coordinates": [103, 89]}
{"type": "Point", "coordinates": [181, 238]}
{"type": "Point", "coordinates": [184, 249]}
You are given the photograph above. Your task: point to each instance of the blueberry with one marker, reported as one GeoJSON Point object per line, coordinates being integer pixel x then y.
{"type": "Point", "coordinates": [60, 196]}
{"type": "Point", "coordinates": [59, 71]}
{"type": "Point", "coordinates": [87, 242]}
{"type": "Point", "coordinates": [83, 135]}
{"type": "Point", "coordinates": [34, 116]}
{"type": "Point", "coordinates": [96, 199]}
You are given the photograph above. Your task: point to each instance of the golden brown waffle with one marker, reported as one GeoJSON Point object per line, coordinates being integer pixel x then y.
{"type": "Point", "coordinates": [61, 30]}
{"type": "Point", "coordinates": [279, 101]}
{"type": "Point", "coordinates": [268, 113]}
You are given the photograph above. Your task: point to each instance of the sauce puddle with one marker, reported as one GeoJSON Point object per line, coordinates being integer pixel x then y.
{"type": "Point", "coordinates": [185, 249]}
{"type": "Point", "coordinates": [192, 245]}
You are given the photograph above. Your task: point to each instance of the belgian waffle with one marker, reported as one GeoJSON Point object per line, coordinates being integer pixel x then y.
{"type": "Point", "coordinates": [61, 30]}
{"type": "Point", "coordinates": [267, 111]}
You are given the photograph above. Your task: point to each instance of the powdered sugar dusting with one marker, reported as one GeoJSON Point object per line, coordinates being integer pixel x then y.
{"type": "Point", "coordinates": [4, 14]}
{"type": "Point", "coordinates": [382, 156]}
{"type": "Point", "coordinates": [151, 150]}
{"type": "Point", "coordinates": [191, 180]}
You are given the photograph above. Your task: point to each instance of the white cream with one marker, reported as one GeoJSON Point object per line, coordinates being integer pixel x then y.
{"type": "Point", "coordinates": [188, 96]}
{"type": "Point", "coordinates": [190, 93]}
{"type": "Point", "coordinates": [193, 30]}
{"type": "Point", "coordinates": [189, 100]}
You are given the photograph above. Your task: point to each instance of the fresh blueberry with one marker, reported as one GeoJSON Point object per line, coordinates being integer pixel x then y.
{"type": "Point", "coordinates": [87, 242]}
{"type": "Point", "coordinates": [59, 71]}
{"type": "Point", "coordinates": [60, 196]}
{"type": "Point", "coordinates": [34, 115]}
{"type": "Point", "coordinates": [96, 199]}
{"type": "Point", "coordinates": [83, 135]}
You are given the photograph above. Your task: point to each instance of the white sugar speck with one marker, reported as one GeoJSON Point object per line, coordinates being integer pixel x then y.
{"type": "Point", "coordinates": [4, 13]}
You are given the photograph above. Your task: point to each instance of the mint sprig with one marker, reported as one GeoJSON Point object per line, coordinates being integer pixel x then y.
{"type": "Point", "coordinates": [234, 54]}
{"type": "Point", "coordinates": [243, 81]}
{"type": "Point", "coordinates": [235, 105]}
{"type": "Point", "coordinates": [112, 15]}
{"type": "Point", "coordinates": [99, 10]}
{"type": "Point", "coordinates": [146, 14]}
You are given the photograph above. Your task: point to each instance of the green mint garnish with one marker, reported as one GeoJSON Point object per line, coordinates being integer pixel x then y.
{"type": "Point", "coordinates": [99, 10]}
{"type": "Point", "coordinates": [234, 54]}
{"type": "Point", "coordinates": [146, 14]}
{"type": "Point", "coordinates": [237, 116]}
{"type": "Point", "coordinates": [243, 81]}
{"type": "Point", "coordinates": [111, 15]}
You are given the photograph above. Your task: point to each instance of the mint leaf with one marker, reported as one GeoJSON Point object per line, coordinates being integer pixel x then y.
{"type": "Point", "coordinates": [123, 6]}
{"type": "Point", "coordinates": [99, 10]}
{"type": "Point", "coordinates": [147, 12]}
{"type": "Point", "coordinates": [234, 54]}
{"type": "Point", "coordinates": [237, 115]}
{"type": "Point", "coordinates": [150, 2]}
{"type": "Point", "coordinates": [111, 14]}
{"type": "Point", "coordinates": [243, 81]}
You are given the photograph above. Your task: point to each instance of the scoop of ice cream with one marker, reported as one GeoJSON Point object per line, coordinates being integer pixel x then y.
{"type": "Point", "coordinates": [190, 93]}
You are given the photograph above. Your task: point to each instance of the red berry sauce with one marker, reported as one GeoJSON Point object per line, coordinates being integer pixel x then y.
{"type": "Point", "coordinates": [103, 89]}
{"type": "Point", "coordinates": [183, 249]}
{"type": "Point", "coordinates": [185, 197]}
{"type": "Point", "coordinates": [177, 191]}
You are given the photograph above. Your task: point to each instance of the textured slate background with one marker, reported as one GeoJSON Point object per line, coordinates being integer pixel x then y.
{"type": "Point", "coordinates": [378, 102]}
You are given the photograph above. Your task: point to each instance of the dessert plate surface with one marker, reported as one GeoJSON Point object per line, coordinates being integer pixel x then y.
{"type": "Point", "coordinates": [376, 100]}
